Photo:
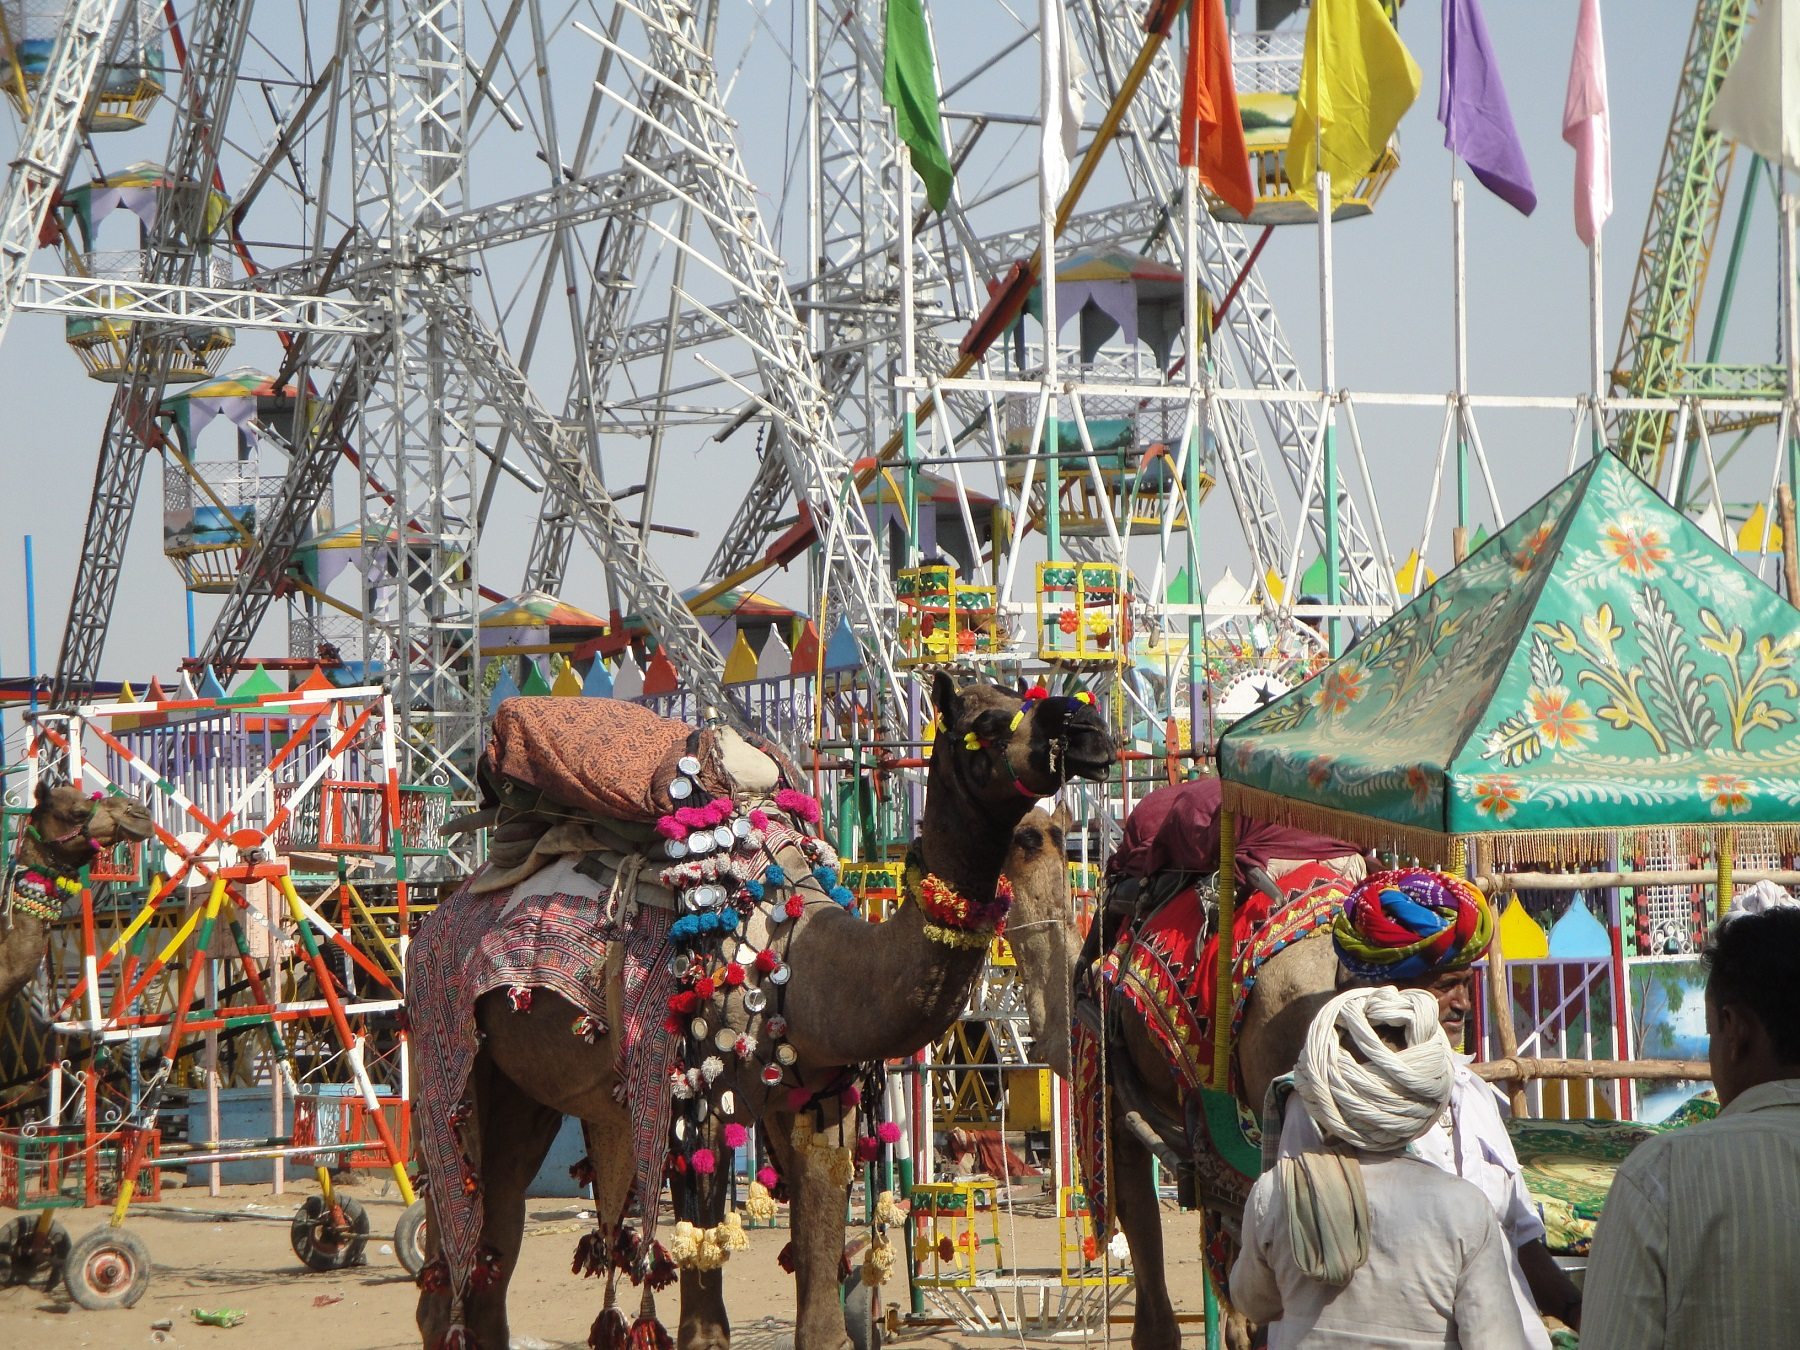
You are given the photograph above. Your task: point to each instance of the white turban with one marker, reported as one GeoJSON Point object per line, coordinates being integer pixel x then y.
{"type": "Point", "coordinates": [1392, 1098]}
{"type": "Point", "coordinates": [1377, 1104]}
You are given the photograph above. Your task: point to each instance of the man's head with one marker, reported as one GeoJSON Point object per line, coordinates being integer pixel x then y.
{"type": "Point", "coordinates": [1753, 1000]}
{"type": "Point", "coordinates": [1416, 929]}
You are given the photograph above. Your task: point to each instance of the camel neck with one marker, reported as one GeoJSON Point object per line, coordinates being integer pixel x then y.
{"type": "Point", "coordinates": [965, 841]}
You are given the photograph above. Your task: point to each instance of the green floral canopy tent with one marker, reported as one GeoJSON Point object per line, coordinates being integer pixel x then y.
{"type": "Point", "coordinates": [1600, 665]}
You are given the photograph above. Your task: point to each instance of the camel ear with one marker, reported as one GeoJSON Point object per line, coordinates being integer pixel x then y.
{"type": "Point", "coordinates": [1063, 818]}
{"type": "Point", "coordinates": [944, 697]}
{"type": "Point", "coordinates": [43, 792]}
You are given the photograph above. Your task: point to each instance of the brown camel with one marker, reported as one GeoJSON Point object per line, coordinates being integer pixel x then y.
{"type": "Point", "coordinates": [1041, 930]}
{"type": "Point", "coordinates": [1149, 1115]}
{"type": "Point", "coordinates": [860, 993]}
{"type": "Point", "coordinates": [65, 829]}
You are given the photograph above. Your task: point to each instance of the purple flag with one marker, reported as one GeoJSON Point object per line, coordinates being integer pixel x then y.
{"type": "Point", "coordinates": [1478, 124]}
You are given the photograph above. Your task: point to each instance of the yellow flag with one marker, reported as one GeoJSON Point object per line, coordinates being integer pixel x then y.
{"type": "Point", "coordinates": [1356, 83]}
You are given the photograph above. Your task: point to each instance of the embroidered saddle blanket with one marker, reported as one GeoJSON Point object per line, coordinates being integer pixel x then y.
{"type": "Point", "coordinates": [551, 932]}
{"type": "Point", "coordinates": [1165, 969]}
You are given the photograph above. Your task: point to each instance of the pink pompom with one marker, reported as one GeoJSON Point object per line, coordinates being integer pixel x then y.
{"type": "Point", "coordinates": [691, 816]}
{"type": "Point", "coordinates": [798, 804]}
{"type": "Point", "coordinates": [759, 819]}
{"type": "Point", "coordinates": [735, 1134]}
{"type": "Point", "coordinates": [888, 1132]}
{"type": "Point", "coordinates": [671, 828]}
{"type": "Point", "coordinates": [851, 1096]}
{"type": "Point", "coordinates": [768, 1177]}
{"type": "Point", "coordinates": [867, 1150]}
{"type": "Point", "coordinates": [703, 1161]}
{"type": "Point", "coordinates": [719, 809]}
{"type": "Point", "coordinates": [799, 1098]}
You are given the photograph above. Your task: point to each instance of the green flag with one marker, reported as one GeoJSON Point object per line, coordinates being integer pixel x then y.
{"type": "Point", "coordinates": [909, 87]}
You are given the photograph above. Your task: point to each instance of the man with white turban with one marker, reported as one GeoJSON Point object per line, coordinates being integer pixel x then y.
{"type": "Point", "coordinates": [1356, 1243]}
{"type": "Point", "coordinates": [1419, 929]}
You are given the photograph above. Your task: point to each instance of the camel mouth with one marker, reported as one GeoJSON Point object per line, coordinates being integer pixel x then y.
{"type": "Point", "coordinates": [1093, 770]}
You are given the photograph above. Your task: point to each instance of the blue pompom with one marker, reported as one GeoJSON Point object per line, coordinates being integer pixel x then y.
{"type": "Point", "coordinates": [843, 895]}
{"type": "Point", "coordinates": [775, 876]}
{"type": "Point", "coordinates": [827, 876]}
{"type": "Point", "coordinates": [686, 927]}
{"type": "Point", "coordinates": [754, 889]}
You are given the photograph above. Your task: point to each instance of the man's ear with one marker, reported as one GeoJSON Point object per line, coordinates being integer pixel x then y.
{"type": "Point", "coordinates": [944, 697]}
{"type": "Point", "coordinates": [1736, 1034]}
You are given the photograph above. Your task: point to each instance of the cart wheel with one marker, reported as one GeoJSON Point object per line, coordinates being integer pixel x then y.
{"type": "Point", "coordinates": [862, 1313]}
{"type": "Point", "coordinates": [23, 1256]}
{"type": "Point", "coordinates": [108, 1268]}
{"type": "Point", "coordinates": [325, 1240]}
{"type": "Point", "coordinates": [409, 1237]}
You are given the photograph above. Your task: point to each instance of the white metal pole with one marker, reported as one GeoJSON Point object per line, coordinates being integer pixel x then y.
{"type": "Point", "coordinates": [1597, 361]}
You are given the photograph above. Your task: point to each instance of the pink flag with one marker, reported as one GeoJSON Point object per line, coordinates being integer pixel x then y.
{"type": "Point", "coordinates": [1585, 125]}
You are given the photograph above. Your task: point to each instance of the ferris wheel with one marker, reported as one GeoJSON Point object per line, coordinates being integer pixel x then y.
{"type": "Point", "coordinates": [427, 307]}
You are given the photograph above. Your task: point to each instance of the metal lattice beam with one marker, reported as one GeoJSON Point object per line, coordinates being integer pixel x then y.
{"type": "Point", "coordinates": [558, 453]}
{"type": "Point", "coordinates": [1660, 317]}
{"type": "Point", "coordinates": [178, 243]}
{"type": "Point", "coordinates": [58, 105]}
{"type": "Point", "coordinates": [726, 199]}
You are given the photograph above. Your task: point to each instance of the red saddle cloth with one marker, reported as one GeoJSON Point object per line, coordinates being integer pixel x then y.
{"type": "Point", "coordinates": [1169, 974]}
{"type": "Point", "coordinates": [604, 756]}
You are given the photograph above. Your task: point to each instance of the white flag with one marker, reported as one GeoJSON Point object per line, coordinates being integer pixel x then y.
{"type": "Point", "coordinates": [1062, 103]}
{"type": "Point", "coordinates": [1759, 103]}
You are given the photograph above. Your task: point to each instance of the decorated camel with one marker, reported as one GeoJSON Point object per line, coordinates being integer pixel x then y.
{"type": "Point", "coordinates": [667, 954]}
{"type": "Point", "coordinates": [64, 831]}
{"type": "Point", "coordinates": [1143, 984]}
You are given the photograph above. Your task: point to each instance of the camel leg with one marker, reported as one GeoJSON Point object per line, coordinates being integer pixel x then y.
{"type": "Point", "coordinates": [509, 1135]}
{"type": "Point", "coordinates": [816, 1226]}
{"type": "Point", "coordinates": [521, 1132]}
{"type": "Point", "coordinates": [701, 1200]}
{"type": "Point", "coordinates": [1134, 1200]}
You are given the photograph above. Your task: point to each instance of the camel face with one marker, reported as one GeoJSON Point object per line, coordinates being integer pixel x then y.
{"type": "Point", "coordinates": [1006, 745]}
{"type": "Point", "coordinates": [69, 823]}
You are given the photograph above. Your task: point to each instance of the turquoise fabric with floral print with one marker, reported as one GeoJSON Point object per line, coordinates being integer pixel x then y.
{"type": "Point", "coordinates": [1599, 663]}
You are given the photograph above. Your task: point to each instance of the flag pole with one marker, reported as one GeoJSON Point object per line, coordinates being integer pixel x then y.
{"type": "Point", "coordinates": [1328, 473]}
{"type": "Point", "coordinates": [1790, 276]}
{"type": "Point", "coordinates": [1596, 360]}
{"type": "Point", "coordinates": [1459, 255]}
{"type": "Point", "coordinates": [1051, 441]}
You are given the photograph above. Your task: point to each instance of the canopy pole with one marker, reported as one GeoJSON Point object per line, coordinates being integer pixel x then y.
{"type": "Point", "coordinates": [1223, 995]}
{"type": "Point", "coordinates": [1727, 883]}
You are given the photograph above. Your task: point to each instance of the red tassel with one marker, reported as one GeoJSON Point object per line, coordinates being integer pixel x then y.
{"type": "Point", "coordinates": [663, 1271]}
{"type": "Point", "coordinates": [609, 1331]}
{"type": "Point", "coordinates": [649, 1334]}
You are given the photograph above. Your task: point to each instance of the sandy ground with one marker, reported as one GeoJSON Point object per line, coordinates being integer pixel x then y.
{"type": "Point", "coordinates": [232, 1252]}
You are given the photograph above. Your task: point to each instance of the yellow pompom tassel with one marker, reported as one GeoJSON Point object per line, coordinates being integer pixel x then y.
{"type": "Point", "coordinates": [878, 1262]}
{"type": "Point", "coordinates": [684, 1244]}
{"type": "Point", "coordinates": [839, 1167]}
{"type": "Point", "coordinates": [732, 1237]}
{"type": "Point", "coordinates": [887, 1211]}
{"type": "Point", "coordinates": [802, 1130]}
{"type": "Point", "coordinates": [759, 1205]}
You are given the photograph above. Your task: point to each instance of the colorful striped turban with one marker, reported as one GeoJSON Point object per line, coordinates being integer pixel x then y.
{"type": "Point", "coordinates": [1397, 927]}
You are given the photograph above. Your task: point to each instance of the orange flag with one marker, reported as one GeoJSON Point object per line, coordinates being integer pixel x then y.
{"type": "Point", "coordinates": [1212, 133]}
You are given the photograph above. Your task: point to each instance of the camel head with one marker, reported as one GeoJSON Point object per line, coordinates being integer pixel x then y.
{"type": "Point", "coordinates": [1005, 749]}
{"type": "Point", "coordinates": [68, 826]}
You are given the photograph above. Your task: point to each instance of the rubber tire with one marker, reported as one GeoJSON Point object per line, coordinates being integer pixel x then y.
{"type": "Point", "coordinates": [862, 1319]}
{"type": "Point", "coordinates": [409, 1237]}
{"type": "Point", "coordinates": [320, 1249]}
{"type": "Point", "coordinates": [108, 1268]}
{"type": "Point", "coordinates": [16, 1268]}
